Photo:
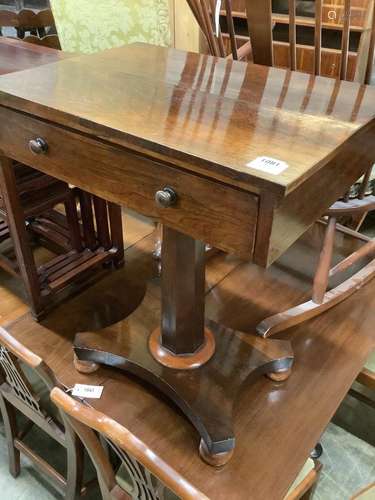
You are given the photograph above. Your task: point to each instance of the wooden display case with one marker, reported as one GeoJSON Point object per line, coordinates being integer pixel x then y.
{"type": "Point", "coordinates": [333, 21]}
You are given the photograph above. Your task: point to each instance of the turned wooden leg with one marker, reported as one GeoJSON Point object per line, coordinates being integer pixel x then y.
{"type": "Point", "coordinates": [322, 272]}
{"type": "Point", "coordinates": [10, 426]}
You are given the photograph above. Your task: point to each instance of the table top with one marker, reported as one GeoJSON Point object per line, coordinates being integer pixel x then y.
{"type": "Point", "coordinates": [276, 425]}
{"type": "Point", "coordinates": [198, 112]}
{"type": "Point", "coordinates": [16, 55]}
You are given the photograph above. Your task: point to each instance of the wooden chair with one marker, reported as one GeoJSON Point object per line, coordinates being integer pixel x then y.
{"type": "Point", "coordinates": [27, 203]}
{"type": "Point", "coordinates": [367, 375]}
{"type": "Point", "coordinates": [141, 473]}
{"type": "Point", "coordinates": [50, 41]}
{"type": "Point", "coordinates": [27, 21]}
{"type": "Point", "coordinates": [231, 33]}
{"type": "Point", "coordinates": [206, 14]}
{"type": "Point", "coordinates": [25, 387]}
{"type": "Point", "coordinates": [368, 493]}
{"type": "Point", "coordinates": [260, 23]}
{"type": "Point", "coordinates": [367, 379]}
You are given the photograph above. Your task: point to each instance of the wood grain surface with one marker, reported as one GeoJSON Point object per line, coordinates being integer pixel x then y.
{"type": "Point", "coordinates": [282, 421]}
{"type": "Point", "coordinates": [198, 112]}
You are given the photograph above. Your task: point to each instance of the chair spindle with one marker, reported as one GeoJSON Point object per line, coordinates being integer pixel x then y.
{"type": "Point", "coordinates": [318, 36]}
{"type": "Point", "coordinates": [292, 35]}
{"type": "Point", "coordinates": [345, 40]}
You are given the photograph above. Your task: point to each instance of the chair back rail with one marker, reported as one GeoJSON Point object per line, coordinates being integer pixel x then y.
{"type": "Point", "coordinates": [50, 41]}
{"type": "Point", "coordinates": [12, 353]}
{"type": "Point", "coordinates": [143, 465]}
{"type": "Point", "coordinates": [206, 12]}
{"type": "Point", "coordinates": [26, 18]}
{"type": "Point", "coordinates": [19, 391]}
{"type": "Point", "coordinates": [27, 21]}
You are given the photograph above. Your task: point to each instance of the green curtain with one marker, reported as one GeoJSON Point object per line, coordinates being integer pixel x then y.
{"type": "Point", "coordinates": [93, 25]}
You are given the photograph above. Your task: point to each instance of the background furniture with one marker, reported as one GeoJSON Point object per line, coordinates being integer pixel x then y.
{"type": "Point", "coordinates": [30, 25]}
{"type": "Point", "coordinates": [295, 29]}
{"type": "Point", "coordinates": [140, 468]}
{"type": "Point", "coordinates": [366, 379]}
{"type": "Point", "coordinates": [26, 385]}
{"type": "Point", "coordinates": [30, 197]}
{"type": "Point", "coordinates": [366, 494]}
{"type": "Point", "coordinates": [111, 24]}
{"type": "Point", "coordinates": [262, 43]}
{"type": "Point", "coordinates": [357, 33]}
{"type": "Point", "coordinates": [185, 34]}
{"type": "Point", "coordinates": [367, 375]}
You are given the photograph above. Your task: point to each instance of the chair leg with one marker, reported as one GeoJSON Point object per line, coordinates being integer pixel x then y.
{"type": "Point", "coordinates": [87, 216]}
{"type": "Point", "coordinates": [322, 271]}
{"type": "Point", "coordinates": [17, 228]}
{"type": "Point", "coordinates": [75, 457]}
{"type": "Point", "coordinates": [117, 236]}
{"type": "Point", "coordinates": [308, 493]}
{"type": "Point", "coordinates": [10, 425]}
{"type": "Point", "coordinates": [317, 452]}
{"type": "Point", "coordinates": [322, 300]}
{"type": "Point", "coordinates": [73, 222]}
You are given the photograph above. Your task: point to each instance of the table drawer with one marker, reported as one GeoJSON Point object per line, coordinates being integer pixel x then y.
{"type": "Point", "coordinates": [218, 214]}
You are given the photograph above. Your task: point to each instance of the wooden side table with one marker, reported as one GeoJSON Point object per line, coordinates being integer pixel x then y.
{"type": "Point", "coordinates": [219, 152]}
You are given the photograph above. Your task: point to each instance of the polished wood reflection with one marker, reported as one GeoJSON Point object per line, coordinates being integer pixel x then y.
{"type": "Point", "coordinates": [204, 116]}
{"type": "Point", "coordinates": [164, 87]}
{"type": "Point", "coordinates": [17, 55]}
{"type": "Point", "coordinates": [271, 419]}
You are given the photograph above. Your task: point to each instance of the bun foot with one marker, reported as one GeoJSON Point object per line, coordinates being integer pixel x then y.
{"type": "Point", "coordinates": [280, 376]}
{"type": "Point", "coordinates": [216, 460]}
{"type": "Point", "coordinates": [85, 367]}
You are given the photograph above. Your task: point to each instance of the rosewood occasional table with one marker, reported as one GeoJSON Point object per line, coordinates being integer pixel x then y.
{"type": "Point", "coordinates": [242, 157]}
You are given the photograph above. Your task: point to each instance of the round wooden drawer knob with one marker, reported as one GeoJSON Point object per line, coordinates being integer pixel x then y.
{"type": "Point", "coordinates": [38, 146]}
{"type": "Point", "coordinates": [166, 197]}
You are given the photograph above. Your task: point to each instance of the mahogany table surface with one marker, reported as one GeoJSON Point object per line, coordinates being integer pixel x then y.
{"type": "Point", "coordinates": [276, 425]}
{"type": "Point", "coordinates": [195, 106]}
{"type": "Point", "coordinates": [16, 55]}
